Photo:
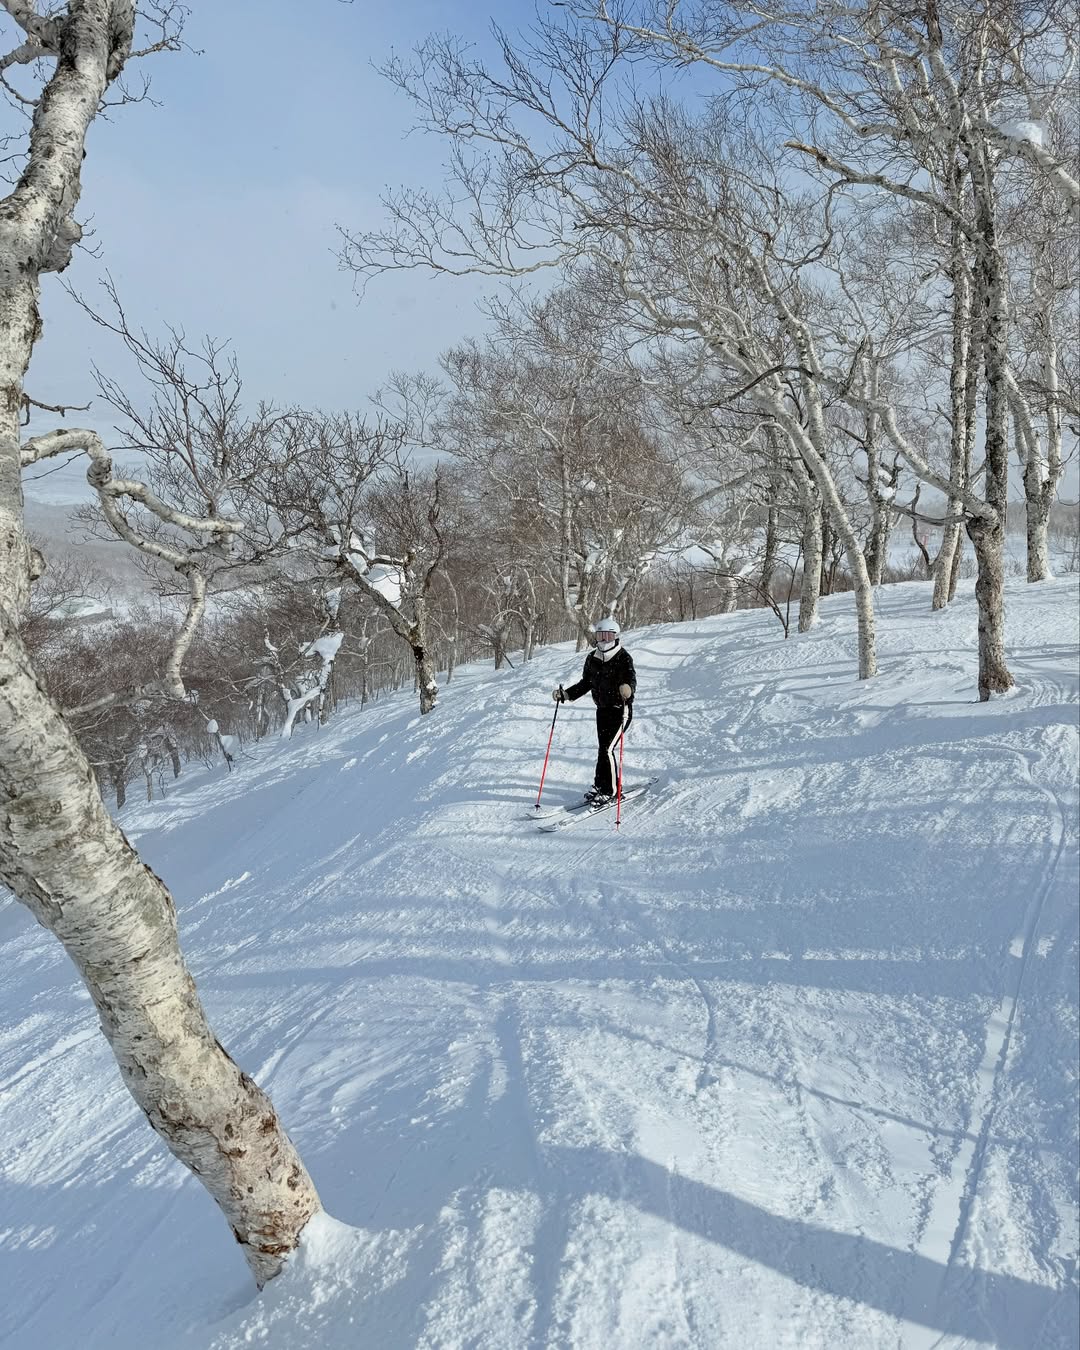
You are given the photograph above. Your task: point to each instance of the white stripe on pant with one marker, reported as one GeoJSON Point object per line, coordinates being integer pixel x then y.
{"type": "Point", "coordinates": [607, 770]}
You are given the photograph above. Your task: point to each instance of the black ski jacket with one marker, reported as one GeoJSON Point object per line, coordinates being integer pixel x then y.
{"type": "Point", "coordinates": [602, 679]}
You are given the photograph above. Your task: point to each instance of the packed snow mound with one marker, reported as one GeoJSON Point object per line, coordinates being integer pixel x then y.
{"type": "Point", "coordinates": [788, 1059]}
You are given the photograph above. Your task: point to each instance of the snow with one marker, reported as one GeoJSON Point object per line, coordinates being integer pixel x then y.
{"type": "Point", "coordinates": [84, 608]}
{"type": "Point", "coordinates": [1024, 129]}
{"type": "Point", "coordinates": [326, 647]}
{"type": "Point", "coordinates": [789, 1060]}
{"type": "Point", "coordinates": [388, 580]}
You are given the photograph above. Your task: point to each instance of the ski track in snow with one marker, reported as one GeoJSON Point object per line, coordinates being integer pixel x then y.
{"type": "Point", "coordinates": [788, 1060]}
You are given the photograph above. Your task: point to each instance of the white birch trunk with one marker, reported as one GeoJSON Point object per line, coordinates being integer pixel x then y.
{"type": "Point", "coordinates": [942, 566]}
{"type": "Point", "coordinates": [772, 538]}
{"type": "Point", "coordinates": [426, 681]}
{"type": "Point", "coordinates": [37, 234]}
{"type": "Point", "coordinates": [728, 597]}
{"type": "Point", "coordinates": [812, 549]}
{"type": "Point", "coordinates": [987, 533]}
{"type": "Point", "coordinates": [63, 856]}
{"type": "Point", "coordinates": [962, 389]}
{"type": "Point", "coordinates": [18, 331]}
{"type": "Point", "coordinates": [528, 622]}
{"type": "Point", "coordinates": [1038, 544]}
{"type": "Point", "coordinates": [806, 441]}
{"type": "Point", "coordinates": [877, 548]}
{"type": "Point", "coordinates": [841, 522]}
{"type": "Point", "coordinates": [1040, 489]}
{"type": "Point", "coordinates": [950, 537]}
{"type": "Point", "coordinates": [60, 852]}
{"type": "Point", "coordinates": [410, 624]}
{"type": "Point", "coordinates": [571, 603]}
{"type": "Point", "coordinates": [809, 442]}
{"type": "Point", "coordinates": [1042, 471]}
{"type": "Point", "coordinates": [424, 673]}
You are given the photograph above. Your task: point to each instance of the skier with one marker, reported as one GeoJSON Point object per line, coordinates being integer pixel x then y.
{"type": "Point", "coordinates": [610, 677]}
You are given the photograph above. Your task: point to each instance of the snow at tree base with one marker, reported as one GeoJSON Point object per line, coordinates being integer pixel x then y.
{"type": "Point", "coordinates": [788, 1060]}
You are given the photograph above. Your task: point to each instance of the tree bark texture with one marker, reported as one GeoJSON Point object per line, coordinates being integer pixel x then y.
{"type": "Point", "coordinates": [811, 573]}
{"type": "Point", "coordinates": [66, 859]}
{"type": "Point", "coordinates": [60, 852]}
{"type": "Point", "coordinates": [963, 387]}
{"type": "Point", "coordinates": [988, 536]}
{"type": "Point", "coordinates": [772, 542]}
{"type": "Point", "coordinates": [810, 442]}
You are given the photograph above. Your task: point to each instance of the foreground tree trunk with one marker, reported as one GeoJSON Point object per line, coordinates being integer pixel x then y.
{"type": "Point", "coordinates": [988, 537]}
{"type": "Point", "coordinates": [824, 506]}
{"type": "Point", "coordinates": [943, 568]}
{"type": "Point", "coordinates": [963, 391]}
{"type": "Point", "coordinates": [1041, 471]}
{"type": "Point", "coordinates": [772, 540]}
{"type": "Point", "coordinates": [877, 546]}
{"type": "Point", "coordinates": [825, 581]}
{"type": "Point", "coordinates": [71, 865]}
{"type": "Point", "coordinates": [1038, 547]}
{"type": "Point", "coordinates": [987, 533]}
{"type": "Point", "coordinates": [834, 515]}
{"type": "Point", "coordinates": [60, 852]}
{"type": "Point", "coordinates": [426, 682]}
{"type": "Point", "coordinates": [954, 576]}
{"type": "Point", "coordinates": [879, 494]}
{"type": "Point", "coordinates": [812, 552]}
{"type": "Point", "coordinates": [727, 597]}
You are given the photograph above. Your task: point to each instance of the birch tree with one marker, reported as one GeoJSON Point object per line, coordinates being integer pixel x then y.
{"type": "Point", "coordinates": [742, 453]}
{"type": "Point", "coordinates": [689, 220]}
{"type": "Point", "coordinates": [313, 693]}
{"type": "Point", "coordinates": [60, 852]}
{"type": "Point", "coordinates": [1046, 288]}
{"type": "Point", "coordinates": [553, 414]}
{"type": "Point", "coordinates": [345, 495]}
{"type": "Point", "coordinates": [936, 108]}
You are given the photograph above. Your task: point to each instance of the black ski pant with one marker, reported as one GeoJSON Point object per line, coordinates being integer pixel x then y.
{"type": "Point", "coordinates": [609, 729]}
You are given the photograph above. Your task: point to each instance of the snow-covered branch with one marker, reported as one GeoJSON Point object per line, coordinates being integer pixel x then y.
{"type": "Point", "coordinates": [189, 562]}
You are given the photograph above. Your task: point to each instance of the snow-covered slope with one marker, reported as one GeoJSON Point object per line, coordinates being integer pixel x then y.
{"type": "Point", "coordinates": [788, 1061]}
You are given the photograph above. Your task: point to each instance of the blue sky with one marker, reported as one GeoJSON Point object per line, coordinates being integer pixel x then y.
{"type": "Point", "coordinates": [216, 210]}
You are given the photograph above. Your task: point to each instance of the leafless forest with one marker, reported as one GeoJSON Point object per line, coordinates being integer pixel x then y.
{"type": "Point", "coordinates": [789, 307]}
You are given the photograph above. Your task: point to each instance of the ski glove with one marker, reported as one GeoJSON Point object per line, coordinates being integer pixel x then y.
{"type": "Point", "coordinates": [558, 695]}
{"type": "Point", "coordinates": [625, 693]}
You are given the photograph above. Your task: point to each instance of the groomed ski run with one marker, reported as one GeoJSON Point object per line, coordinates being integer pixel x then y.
{"type": "Point", "coordinates": [788, 1061]}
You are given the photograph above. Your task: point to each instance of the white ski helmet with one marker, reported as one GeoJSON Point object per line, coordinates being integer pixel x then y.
{"type": "Point", "coordinates": [607, 634]}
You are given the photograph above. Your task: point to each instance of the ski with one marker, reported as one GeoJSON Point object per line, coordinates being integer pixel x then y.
{"type": "Point", "coordinates": [570, 815]}
{"type": "Point", "coordinates": [546, 812]}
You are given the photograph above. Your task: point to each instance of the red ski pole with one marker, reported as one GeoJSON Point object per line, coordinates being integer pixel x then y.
{"type": "Point", "coordinates": [618, 798]}
{"type": "Point", "coordinates": [543, 772]}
